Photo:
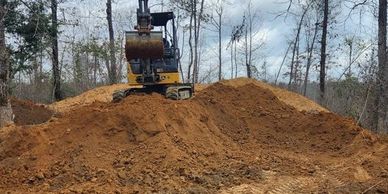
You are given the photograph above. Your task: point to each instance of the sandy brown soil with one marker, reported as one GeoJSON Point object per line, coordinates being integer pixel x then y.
{"type": "Point", "coordinates": [227, 139]}
{"type": "Point", "coordinates": [101, 94]}
{"type": "Point", "coordinates": [28, 113]}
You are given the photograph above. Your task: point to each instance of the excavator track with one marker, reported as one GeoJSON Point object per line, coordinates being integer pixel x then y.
{"type": "Point", "coordinates": [174, 92]}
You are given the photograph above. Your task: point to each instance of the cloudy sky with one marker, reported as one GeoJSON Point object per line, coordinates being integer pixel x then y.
{"type": "Point", "coordinates": [274, 31]}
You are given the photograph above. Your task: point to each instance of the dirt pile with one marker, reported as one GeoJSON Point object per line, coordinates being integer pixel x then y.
{"type": "Point", "coordinates": [226, 139]}
{"type": "Point", "coordinates": [293, 99]}
{"type": "Point", "coordinates": [104, 94]}
{"type": "Point", "coordinates": [28, 113]}
{"type": "Point", "coordinates": [101, 94]}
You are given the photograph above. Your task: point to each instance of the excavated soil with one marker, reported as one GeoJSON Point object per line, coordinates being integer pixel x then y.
{"type": "Point", "coordinates": [28, 113]}
{"type": "Point", "coordinates": [298, 101]}
{"type": "Point", "coordinates": [227, 139]}
{"type": "Point", "coordinates": [101, 94]}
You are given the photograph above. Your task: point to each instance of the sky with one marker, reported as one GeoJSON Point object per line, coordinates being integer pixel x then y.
{"type": "Point", "coordinates": [275, 32]}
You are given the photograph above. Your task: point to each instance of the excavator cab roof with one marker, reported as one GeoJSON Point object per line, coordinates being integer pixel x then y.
{"type": "Point", "coordinates": [161, 18]}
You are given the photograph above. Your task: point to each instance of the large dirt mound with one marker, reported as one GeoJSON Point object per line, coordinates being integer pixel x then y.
{"type": "Point", "coordinates": [226, 139]}
{"type": "Point", "coordinates": [104, 94]}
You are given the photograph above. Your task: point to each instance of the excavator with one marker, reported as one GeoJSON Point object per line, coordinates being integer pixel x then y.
{"type": "Point", "coordinates": [153, 57]}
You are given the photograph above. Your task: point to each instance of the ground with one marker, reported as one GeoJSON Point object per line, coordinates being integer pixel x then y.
{"type": "Point", "coordinates": [239, 136]}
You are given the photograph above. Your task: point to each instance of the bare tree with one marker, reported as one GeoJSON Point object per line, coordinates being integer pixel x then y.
{"type": "Point", "coordinates": [217, 23]}
{"type": "Point", "coordinates": [235, 38]}
{"type": "Point", "coordinates": [382, 76]}
{"type": "Point", "coordinates": [283, 61]}
{"type": "Point", "coordinates": [230, 46]}
{"type": "Point", "coordinates": [296, 46]}
{"type": "Point", "coordinates": [182, 48]}
{"type": "Point", "coordinates": [250, 19]}
{"type": "Point", "coordinates": [248, 66]}
{"type": "Point", "coordinates": [5, 107]}
{"type": "Point", "coordinates": [322, 72]}
{"type": "Point", "coordinates": [112, 71]}
{"type": "Point", "coordinates": [191, 61]}
{"type": "Point", "coordinates": [310, 50]}
{"type": "Point", "coordinates": [195, 10]}
{"type": "Point", "coordinates": [54, 36]}
{"type": "Point", "coordinates": [198, 17]}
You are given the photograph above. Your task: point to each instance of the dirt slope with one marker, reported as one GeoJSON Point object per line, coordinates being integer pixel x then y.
{"type": "Point", "coordinates": [293, 99]}
{"type": "Point", "coordinates": [227, 139]}
{"type": "Point", "coordinates": [100, 94]}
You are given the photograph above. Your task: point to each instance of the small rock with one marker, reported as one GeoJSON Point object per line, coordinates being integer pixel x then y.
{"type": "Point", "coordinates": [40, 176]}
{"type": "Point", "coordinates": [122, 174]}
{"type": "Point", "coordinates": [311, 170]}
{"type": "Point", "coordinates": [266, 168]}
{"type": "Point", "coordinates": [31, 180]}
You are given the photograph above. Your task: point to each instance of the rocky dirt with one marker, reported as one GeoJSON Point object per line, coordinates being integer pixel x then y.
{"type": "Point", "coordinates": [230, 138]}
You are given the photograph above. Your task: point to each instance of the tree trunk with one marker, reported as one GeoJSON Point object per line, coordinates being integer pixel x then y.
{"type": "Point", "coordinates": [220, 45]}
{"type": "Point", "coordinates": [121, 59]}
{"type": "Point", "coordinates": [281, 65]}
{"type": "Point", "coordinates": [250, 19]}
{"type": "Point", "coordinates": [296, 69]}
{"type": "Point", "coordinates": [95, 67]}
{"type": "Point", "coordinates": [6, 115]}
{"type": "Point", "coordinates": [322, 73]}
{"type": "Point", "coordinates": [235, 60]}
{"type": "Point", "coordinates": [197, 33]}
{"type": "Point", "coordinates": [195, 52]}
{"type": "Point", "coordinates": [55, 60]}
{"type": "Point", "coordinates": [309, 58]}
{"type": "Point", "coordinates": [191, 48]}
{"type": "Point", "coordinates": [231, 61]}
{"type": "Point", "coordinates": [248, 66]}
{"type": "Point", "coordinates": [181, 51]}
{"type": "Point", "coordinates": [113, 68]}
{"type": "Point", "coordinates": [349, 74]}
{"type": "Point", "coordinates": [295, 47]}
{"type": "Point", "coordinates": [382, 77]}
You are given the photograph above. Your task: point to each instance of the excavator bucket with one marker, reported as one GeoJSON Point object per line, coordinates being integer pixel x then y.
{"type": "Point", "coordinates": [146, 46]}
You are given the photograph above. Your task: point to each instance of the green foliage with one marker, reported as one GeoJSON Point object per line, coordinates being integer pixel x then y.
{"type": "Point", "coordinates": [29, 23]}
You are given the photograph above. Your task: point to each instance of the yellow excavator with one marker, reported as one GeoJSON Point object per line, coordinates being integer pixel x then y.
{"type": "Point", "coordinates": [153, 57]}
